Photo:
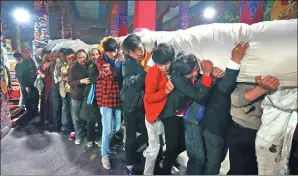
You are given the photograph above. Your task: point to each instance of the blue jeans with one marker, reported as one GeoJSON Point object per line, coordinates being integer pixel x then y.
{"type": "Point", "coordinates": [111, 122]}
{"type": "Point", "coordinates": [75, 114]}
{"type": "Point", "coordinates": [66, 113]}
{"type": "Point", "coordinates": [194, 142]}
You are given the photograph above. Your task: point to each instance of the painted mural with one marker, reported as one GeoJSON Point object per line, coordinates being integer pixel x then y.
{"type": "Point", "coordinates": [41, 28]}
{"type": "Point", "coordinates": [230, 12]}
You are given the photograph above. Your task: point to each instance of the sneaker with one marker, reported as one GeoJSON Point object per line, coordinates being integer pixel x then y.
{"type": "Point", "coordinates": [78, 141]}
{"type": "Point", "coordinates": [98, 143]}
{"type": "Point", "coordinates": [71, 136]}
{"type": "Point", "coordinates": [106, 163]}
{"type": "Point", "coordinates": [129, 172]}
{"type": "Point", "coordinates": [175, 171]}
{"type": "Point", "coordinates": [90, 144]}
{"type": "Point", "coordinates": [111, 151]}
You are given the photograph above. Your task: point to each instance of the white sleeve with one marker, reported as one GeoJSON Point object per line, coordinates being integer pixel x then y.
{"type": "Point", "coordinates": [233, 65]}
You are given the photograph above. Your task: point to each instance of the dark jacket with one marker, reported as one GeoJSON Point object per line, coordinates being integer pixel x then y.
{"type": "Point", "coordinates": [75, 74]}
{"type": "Point", "coordinates": [26, 72]}
{"type": "Point", "coordinates": [217, 113]}
{"type": "Point", "coordinates": [89, 112]}
{"type": "Point", "coordinates": [133, 85]}
{"type": "Point", "coordinates": [183, 91]}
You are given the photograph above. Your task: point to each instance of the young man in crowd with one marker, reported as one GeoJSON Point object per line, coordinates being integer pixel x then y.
{"type": "Point", "coordinates": [134, 70]}
{"type": "Point", "coordinates": [184, 73]}
{"type": "Point", "coordinates": [246, 114]}
{"type": "Point", "coordinates": [55, 94]}
{"type": "Point", "coordinates": [157, 88]}
{"type": "Point", "coordinates": [216, 119]}
{"type": "Point", "coordinates": [78, 80]}
{"type": "Point", "coordinates": [67, 57]}
{"type": "Point", "coordinates": [26, 75]}
{"type": "Point", "coordinates": [108, 99]}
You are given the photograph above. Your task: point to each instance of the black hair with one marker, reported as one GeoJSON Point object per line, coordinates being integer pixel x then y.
{"type": "Point", "coordinates": [110, 45]}
{"type": "Point", "coordinates": [163, 54]}
{"type": "Point", "coordinates": [184, 63]}
{"type": "Point", "coordinates": [17, 54]}
{"type": "Point", "coordinates": [81, 51]}
{"type": "Point", "coordinates": [61, 50]}
{"type": "Point", "coordinates": [48, 51]}
{"type": "Point", "coordinates": [68, 51]}
{"type": "Point", "coordinates": [131, 42]}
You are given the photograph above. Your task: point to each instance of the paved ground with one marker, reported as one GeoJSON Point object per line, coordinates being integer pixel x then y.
{"type": "Point", "coordinates": [32, 150]}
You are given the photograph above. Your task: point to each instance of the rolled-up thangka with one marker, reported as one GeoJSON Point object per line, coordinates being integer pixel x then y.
{"type": "Point", "coordinates": [272, 50]}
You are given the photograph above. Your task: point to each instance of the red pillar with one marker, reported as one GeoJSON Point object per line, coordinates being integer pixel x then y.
{"type": "Point", "coordinates": [145, 14]}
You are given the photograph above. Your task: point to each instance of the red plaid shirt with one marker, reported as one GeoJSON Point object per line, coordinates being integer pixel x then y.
{"type": "Point", "coordinates": [107, 87]}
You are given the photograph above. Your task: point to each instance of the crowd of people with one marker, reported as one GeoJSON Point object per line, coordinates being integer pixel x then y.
{"type": "Point", "coordinates": [166, 97]}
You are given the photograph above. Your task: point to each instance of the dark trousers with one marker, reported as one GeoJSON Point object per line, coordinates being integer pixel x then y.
{"type": "Point", "coordinates": [216, 150]}
{"type": "Point", "coordinates": [91, 130]}
{"type": "Point", "coordinates": [30, 99]}
{"type": "Point", "coordinates": [57, 107]}
{"type": "Point", "coordinates": [66, 113]}
{"type": "Point", "coordinates": [242, 153]}
{"type": "Point", "coordinates": [132, 121]}
{"type": "Point", "coordinates": [194, 144]}
{"type": "Point", "coordinates": [175, 141]}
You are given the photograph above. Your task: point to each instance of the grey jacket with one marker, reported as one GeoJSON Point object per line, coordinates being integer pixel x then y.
{"type": "Point", "coordinates": [246, 113]}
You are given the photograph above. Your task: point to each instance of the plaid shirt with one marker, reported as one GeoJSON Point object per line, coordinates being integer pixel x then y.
{"type": "Point", "coordinates": [107, 87]}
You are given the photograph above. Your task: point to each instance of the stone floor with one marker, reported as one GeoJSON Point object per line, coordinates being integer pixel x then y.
{"type": "Point", "coordinates": [32, 150]}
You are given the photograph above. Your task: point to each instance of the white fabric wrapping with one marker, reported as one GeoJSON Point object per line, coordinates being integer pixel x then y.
{"type": "Point", "coordinates": [272, 51]}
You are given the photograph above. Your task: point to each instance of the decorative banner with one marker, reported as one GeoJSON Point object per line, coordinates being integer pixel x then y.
{"type": "Point", "coordinates": [18, 38]}
{"type": "Point", "coordinates": [122, 13]}
{"type": "Point", "coordinates": [60, 25]}
{"type": "Point", "coordinates": [184, 17]}
{"type": "Point", "coordinates": [159, 24]}
{"type": "Point", "coordinates": [67, 32]}
{"type": "Point", "coordinates": [114, 20]}
{"type": "Point", "coordinates": [8, 46]}
{"type": "Point", "coordinates": [41, 27]}
{"type": "Point", "coordinates": [251, 11]}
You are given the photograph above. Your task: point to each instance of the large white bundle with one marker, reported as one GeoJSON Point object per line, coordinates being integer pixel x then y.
{"type": "Point", "coordinates": [273, 46]}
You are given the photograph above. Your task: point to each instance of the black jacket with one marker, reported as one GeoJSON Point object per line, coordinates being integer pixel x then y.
{"type": "Point", "coordinates": [131, 93]}
{"type": "Point", "coordinates": [183, 91]}
{"type": "Point", "coordinates": [26, 72]}
{"type": "Point", "coordinates": [217, 112]}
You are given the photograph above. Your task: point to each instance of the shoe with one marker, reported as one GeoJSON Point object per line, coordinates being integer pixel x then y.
{"type": "Point", "coordinates": [90, 144]}
{"type": "Point", "coordinates": [71, 136]}
{"type": "Point", "coordinates": [129, 172]}
{"type": "Point", "coordinates": [175, 171]}
{"type": "Point", "coordinates": [63, 132]}
{"type": "Point", "coordinates": [112, 151]}
{"type": "Point", "coordinates": [98, 143]}
{"type": "Point", "coordinates": [78, 141]}
{"type": "Point", "coordinates": [106, 163]}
